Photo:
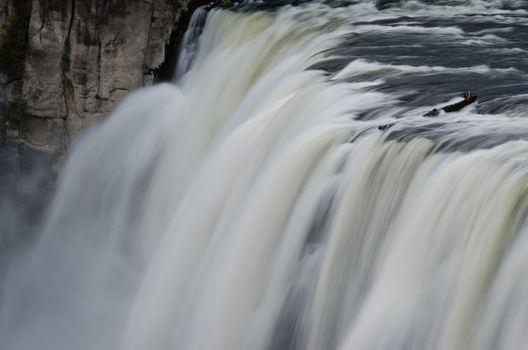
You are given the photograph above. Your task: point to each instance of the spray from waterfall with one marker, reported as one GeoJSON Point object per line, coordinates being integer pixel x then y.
{"type": "Point", "coordinates": [255, 204]}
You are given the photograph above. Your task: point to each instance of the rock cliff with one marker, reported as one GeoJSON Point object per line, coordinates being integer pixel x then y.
{"type": "Point", "coordinates": [66, 63]}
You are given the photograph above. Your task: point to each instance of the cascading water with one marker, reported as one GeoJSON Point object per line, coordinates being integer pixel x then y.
{"type": "Point", "coordinates": [189, 45]}
{"type": "Point", "coordinates": [256, 204]}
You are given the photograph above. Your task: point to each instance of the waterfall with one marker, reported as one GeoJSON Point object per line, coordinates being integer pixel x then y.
{"type": "Point", "coordinates": [189, 45]}
{"type": "Point", "coordinates": [257, 204]}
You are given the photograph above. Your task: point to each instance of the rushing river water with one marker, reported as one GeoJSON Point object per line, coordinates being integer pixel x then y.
{"type": "Point", "coordinates": [286, 192]}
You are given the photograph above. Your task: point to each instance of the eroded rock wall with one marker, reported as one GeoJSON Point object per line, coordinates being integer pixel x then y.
{"type": "Point", "coordinates": [82, 58]}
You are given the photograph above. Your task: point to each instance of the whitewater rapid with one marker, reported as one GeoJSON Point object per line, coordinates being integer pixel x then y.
{"type": "Point", "coordinates": [255, 204]}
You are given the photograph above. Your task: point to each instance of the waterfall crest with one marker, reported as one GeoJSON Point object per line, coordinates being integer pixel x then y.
{"type": "Point", "coordinates": [256, 205]}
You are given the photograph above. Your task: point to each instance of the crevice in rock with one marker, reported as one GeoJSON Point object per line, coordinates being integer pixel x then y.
{"type": "Point", "coordinates": [99, 49]}
{"type": "Point", "coordinates": [145, 68]}
{"type": "Point", "coordinates": [67, 85]}
{"type": "Point", "coordinates": [118, 89]}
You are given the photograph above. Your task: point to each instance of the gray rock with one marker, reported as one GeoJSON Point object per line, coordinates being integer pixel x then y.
{"type": "Point", "coordinates": [84, 56]}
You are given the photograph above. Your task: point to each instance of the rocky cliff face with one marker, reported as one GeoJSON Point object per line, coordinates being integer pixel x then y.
{"type": "Point", "coordinates": [79, 58]}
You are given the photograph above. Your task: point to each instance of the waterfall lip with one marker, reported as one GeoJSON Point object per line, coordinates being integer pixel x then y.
{"type": "Point", "coordinates": [189, 43]}
{"type": "Point", "coordinates": [256, 203]}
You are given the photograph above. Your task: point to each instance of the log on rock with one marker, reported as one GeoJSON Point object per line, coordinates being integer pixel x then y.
{"type": "Point", "coordinates": [452, 108]}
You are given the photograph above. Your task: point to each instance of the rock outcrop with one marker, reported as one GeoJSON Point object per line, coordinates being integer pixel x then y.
{"type": "Point", "coordinates": [80, 58]}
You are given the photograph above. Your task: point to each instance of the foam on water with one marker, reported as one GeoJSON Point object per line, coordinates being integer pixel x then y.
{"type": "Point", "coordinates": [362, 66]}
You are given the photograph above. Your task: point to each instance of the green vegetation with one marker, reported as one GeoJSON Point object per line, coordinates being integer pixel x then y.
{"type": "Point", "coordinates": [225, 3]}
{"type": "Point", "coordinates": [14, 42]}
{"type": "Point", "coordinates": [17, 112]}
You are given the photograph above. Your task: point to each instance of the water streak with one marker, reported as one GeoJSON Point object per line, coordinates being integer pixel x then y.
{"type": "Point", "coordinates": [250, 206]}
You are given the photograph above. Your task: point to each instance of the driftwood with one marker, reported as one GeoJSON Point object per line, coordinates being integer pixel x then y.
{"type": "Point", "coordinates": [468, 99]}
